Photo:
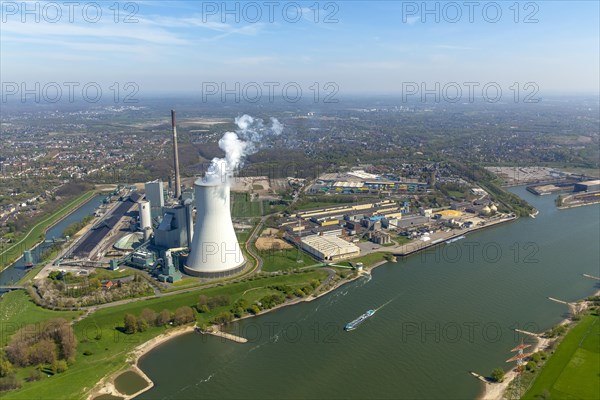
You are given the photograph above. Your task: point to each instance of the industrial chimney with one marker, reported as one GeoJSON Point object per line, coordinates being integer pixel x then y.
{"type": "Point", "coordinates": [215, 251]}
{"type": "Point", "coordinates": [176, 157]}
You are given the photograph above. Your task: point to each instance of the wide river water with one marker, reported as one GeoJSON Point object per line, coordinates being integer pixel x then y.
{"type": "Point", "coordinates": [446, 311]}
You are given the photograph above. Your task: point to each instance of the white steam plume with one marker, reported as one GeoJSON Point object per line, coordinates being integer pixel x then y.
{"type": "Point", "coordinates": [246, 140]}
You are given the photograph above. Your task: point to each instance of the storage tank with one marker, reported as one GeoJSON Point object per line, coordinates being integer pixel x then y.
{"type": "Point", "coordinates": [215, 251]}
{"type": "Point", "coordinates": [145, 215]}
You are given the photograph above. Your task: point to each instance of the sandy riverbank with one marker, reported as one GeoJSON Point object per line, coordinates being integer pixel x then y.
{"type": "Point", "coordinates": [497, 391]}
{"type": "Point", "coordinates": [107, 386]}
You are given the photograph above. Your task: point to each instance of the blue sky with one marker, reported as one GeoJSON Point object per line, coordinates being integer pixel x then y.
{"type": "Point", "coordinates": [373, 47]}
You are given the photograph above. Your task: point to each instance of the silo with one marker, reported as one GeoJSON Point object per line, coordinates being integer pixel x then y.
{"type": "Point", "coordinates": [215, 251]}
{"type": "Point", "coordinates": [145, 215]}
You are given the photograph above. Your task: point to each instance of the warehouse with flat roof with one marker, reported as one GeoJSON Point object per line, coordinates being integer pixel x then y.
{"type": "Point", "coordinates": [588, 186]}
{"type": "Point", "coordinates": [329, 248]}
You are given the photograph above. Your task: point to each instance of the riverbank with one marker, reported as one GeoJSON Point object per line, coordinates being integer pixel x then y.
{"type": "Point", "coordinates": [106, 385]}
{"type": "Point", "coordinates": [497, 391]}
{"type": "Point", "coordinates": [27, 242]}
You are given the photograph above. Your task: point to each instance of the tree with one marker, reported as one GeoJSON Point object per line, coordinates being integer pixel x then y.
{"type": "Point", "coordinates": [253, 309]}
{"type": "Point", "coordinates": [149, 316]}
{"type": "Point", "coordinates": [6, 368]}
{"type": "Point", "coordinates": [61, 366]}
{"type": "Point", "coordinates": [34, 375]}
{"type": "Point", "coordinates": [238, 312]}
{"type": "Point", "coordinates": [142, 325]}
{"type": "Point", "coordinates": [204, 309]}
{"type": "Point", "coordinates": [202, 301]}
{"type": "Point", "coordinates": [530, 366]}
{"type": "Point", "coordinates": [223, 318]}
{"type": "Point", "coordinates": [130, 323]}
{"type": "Point", "coordinates": [498, 375]}
{"type": "Point", "coordinates": [95, 283]}
{"type": "Point", "coordinates": [163, 318]}
{"type": "Point", "coordinates": [42, 352]}
{"type": "Point", "coordinates": [183, 315]}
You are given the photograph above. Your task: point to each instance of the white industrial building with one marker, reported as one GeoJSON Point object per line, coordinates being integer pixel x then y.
{"type": "Point", "coordinates": [329, 248]}
{"type": "Point", "coordinates": [145, 219]}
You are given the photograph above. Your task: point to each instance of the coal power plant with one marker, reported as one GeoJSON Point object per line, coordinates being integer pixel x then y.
{"type": "Point", "coordinates": [156, 230]}
{"type": "Point", "coordinates": [215, 251]}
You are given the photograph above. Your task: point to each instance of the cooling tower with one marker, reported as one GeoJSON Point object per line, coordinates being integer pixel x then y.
{"type": "Point", "coordinates": [215, 251]}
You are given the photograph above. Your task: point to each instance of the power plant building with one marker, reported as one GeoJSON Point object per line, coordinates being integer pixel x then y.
{"type": "Point", "coordinates": [174, 230]}
{"type": "Point", "coordinates": [215, 251]}
{"type": "Point", "coordinates": [155, 195]}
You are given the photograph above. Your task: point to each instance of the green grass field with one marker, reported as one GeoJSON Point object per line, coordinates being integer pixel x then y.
{"type": "Point", "coordinates": [34, 234]}
{"type": "Point", "coordinates": [243, 207]}
{"type": "Point", "coordinates": [402, 240]}
{"type": "Point", "coordinates": [368, 260]}
{"type": "Point", "coordinates": [281, 260]}
{"type": "Point", "coordinates": [99, 333]}
{"type": "Point", "coordinates": [243, 236]}
{"type": "Point", "coordinates": [573, 371]}
{"type": "Point", "coordinates": [18, 310]}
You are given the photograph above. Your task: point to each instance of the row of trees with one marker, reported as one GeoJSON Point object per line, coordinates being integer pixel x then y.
{"type": "Point", "coordinates": [149, 317]}
{"type": "Point", "coordinates": [242, 306]}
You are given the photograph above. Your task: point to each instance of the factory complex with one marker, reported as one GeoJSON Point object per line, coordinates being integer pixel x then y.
{"type": "Point", "coordinates": [336, 233]}
{"type": "Point", "coordinates": [361, 182]}
{"type": "Point", "coordinates": [156, 232]}
{"type": "Point", "coordinates": [170, 231]}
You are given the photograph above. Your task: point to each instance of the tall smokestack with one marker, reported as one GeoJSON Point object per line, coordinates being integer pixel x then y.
{"type": "Point", "coordinates": [176, 157]}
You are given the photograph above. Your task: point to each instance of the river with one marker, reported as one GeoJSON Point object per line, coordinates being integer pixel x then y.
{"type": "Point", "coordinates": [447, 311]}
{"type": "Point", "coordinates": [18, 270]}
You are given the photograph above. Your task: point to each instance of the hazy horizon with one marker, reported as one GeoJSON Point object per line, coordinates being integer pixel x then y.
{"type": "Point", "coordinates": [369, 48]}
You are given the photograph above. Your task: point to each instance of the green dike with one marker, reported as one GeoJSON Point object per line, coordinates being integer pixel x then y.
{"type": "Point", "coordinates": [37, 232]}
{"type": "Point", "coordinates": [573, 369]}
{"type": "Point", "coordinates": [17, 310]}
{"type": "Point", "coordinates": [99, 335]}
